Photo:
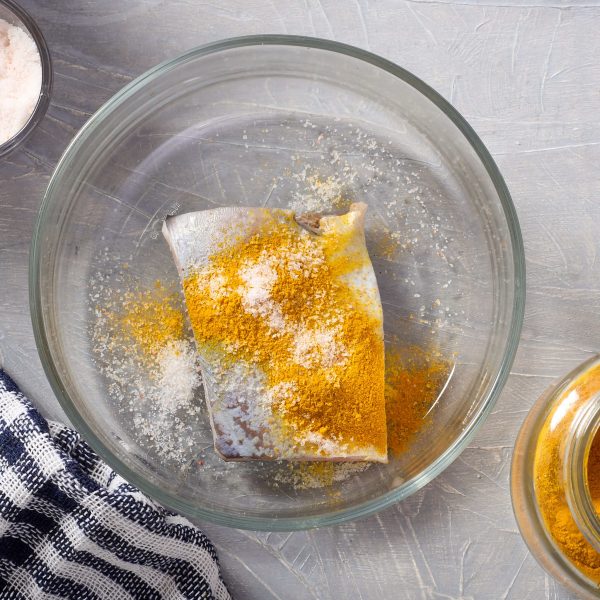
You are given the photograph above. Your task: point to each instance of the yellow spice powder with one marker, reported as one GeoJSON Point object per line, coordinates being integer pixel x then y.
{"type": "Point", "coordinates": [146, 320]}
{"type": "Point", "coordinates": [413, 378]}
{"type": "Point", "coordinates": [413, 382]}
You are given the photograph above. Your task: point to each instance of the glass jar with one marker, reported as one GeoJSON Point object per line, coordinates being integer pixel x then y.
{"type": "Point", "coordinates": [555, 480]}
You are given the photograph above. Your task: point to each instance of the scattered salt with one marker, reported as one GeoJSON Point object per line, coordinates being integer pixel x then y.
{"type": "Point", "coordinates": [178, 374]}
{"type": "Point", "coordinates": [157, 392]}
{"type": "Point", "coordinates": [320, 194]}
{"type": "Point", "coordinates": [319, 348]}
{"type": "Point", "coordinates": [259, 279]}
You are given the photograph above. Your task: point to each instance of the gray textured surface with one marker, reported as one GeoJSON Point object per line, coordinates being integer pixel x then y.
{"type": "Point", "coordinates": [526, 76]}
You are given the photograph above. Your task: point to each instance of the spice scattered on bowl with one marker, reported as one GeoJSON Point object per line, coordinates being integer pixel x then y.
{"type": "Point", "coordinates": [20, 79]}
{"type": "Point", "coordinates": [150, 362]}
{"type": "Point", "coordinates": [141, 338]}
{"type": "Point", "coordinates": [414, 380]}
{"type": "Point", "coordinates": [416, 373]}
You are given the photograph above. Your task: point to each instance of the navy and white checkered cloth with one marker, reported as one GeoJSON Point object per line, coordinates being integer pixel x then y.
{"type": "Point", "coordinates": [70, 527]}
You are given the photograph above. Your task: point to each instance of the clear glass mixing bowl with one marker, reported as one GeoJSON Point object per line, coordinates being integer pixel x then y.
{"type": "Point", "coordinates": [257, 121]}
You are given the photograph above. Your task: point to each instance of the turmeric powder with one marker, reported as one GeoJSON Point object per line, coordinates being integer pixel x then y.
{"type": "Point", "coordinates": [151, 318]}
{"type": "Point", "coordinates": [412, 385]}
{"type": "Point", "coordinates": [144, 321]}
{"type": "Point", "coordinates": [281, 299]}
{"type": "Point", "coordinates": [414, 379]}
{"type": "Point", "coordinates": [548, 477]}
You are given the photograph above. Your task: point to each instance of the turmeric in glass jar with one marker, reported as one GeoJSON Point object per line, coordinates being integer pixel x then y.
{"type": "Point", "coordinates": [551, 474]}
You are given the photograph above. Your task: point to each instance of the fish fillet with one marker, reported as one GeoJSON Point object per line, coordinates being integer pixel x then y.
{"type": "Point", "coordinates": [289, 329]}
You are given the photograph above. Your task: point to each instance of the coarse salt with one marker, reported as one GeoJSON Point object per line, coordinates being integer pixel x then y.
{"type": "Point", "coordinates": [319, 347]}
{"type": "Point", "coordinates": [155, 387]}
{"type": "Point", "coordinates": [259, 279]}
{"type": "Point", "coordinates": [178, 375]}
{"type": "Point", "coordinates": [20, 79]}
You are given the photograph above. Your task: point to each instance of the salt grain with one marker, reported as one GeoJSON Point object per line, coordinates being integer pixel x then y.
{"type": "Point", "coordinates": [319, 348]}
{"type": "Point", "coordinates": [178, 374]}
{"type": "Point", "coordinates": [256, 294]}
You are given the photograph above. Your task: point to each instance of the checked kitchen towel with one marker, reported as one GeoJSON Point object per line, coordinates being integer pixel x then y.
{"type": "Point", "coordinates": [70, 527]}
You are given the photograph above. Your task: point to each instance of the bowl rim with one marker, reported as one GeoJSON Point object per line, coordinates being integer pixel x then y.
{"type": "Point", "coordinates": [43, 100]}
{"type": "Point", "coordinates": [334, 516]}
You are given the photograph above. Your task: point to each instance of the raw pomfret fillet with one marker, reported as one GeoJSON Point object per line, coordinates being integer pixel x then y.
{"type": "Point", "coordinates": [289, 329]}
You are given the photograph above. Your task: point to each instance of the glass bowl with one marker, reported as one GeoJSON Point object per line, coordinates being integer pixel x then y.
{"type": "Point", "coordinates": [272, 121]}
{"type": "Point", "coordinates": [12, 13]}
